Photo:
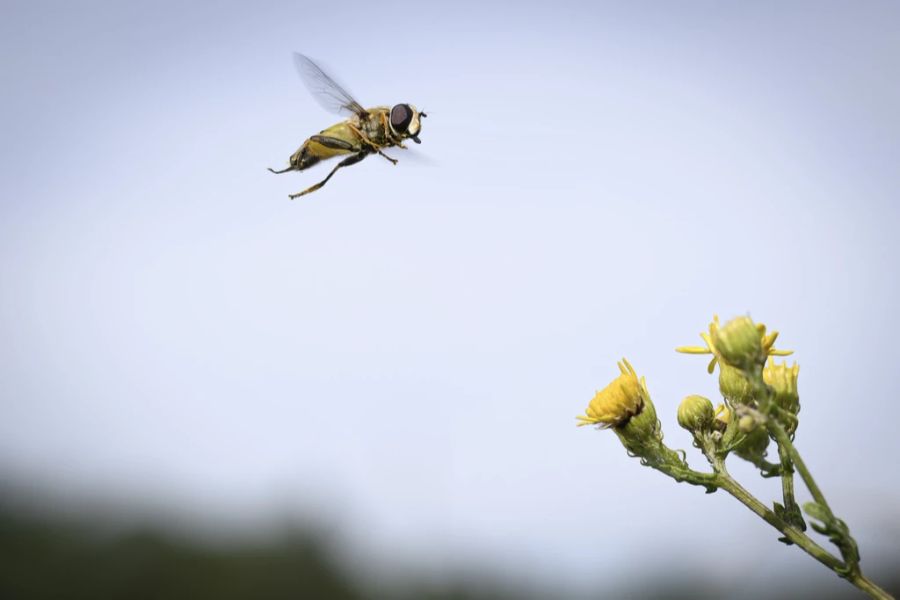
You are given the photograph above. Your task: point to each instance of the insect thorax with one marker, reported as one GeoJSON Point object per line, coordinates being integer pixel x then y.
{"type": "Point", "coordinates": [376, 128]}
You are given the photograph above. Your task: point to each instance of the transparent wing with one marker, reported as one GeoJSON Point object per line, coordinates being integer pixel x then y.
{"type": "Point", "coordinates": [329, 94]}
{"type": "Point", "coordinates": [412, 155]}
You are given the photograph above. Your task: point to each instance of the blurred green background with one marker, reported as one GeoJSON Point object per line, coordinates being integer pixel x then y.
{"type": "Point", "coordinates": [98, 553]}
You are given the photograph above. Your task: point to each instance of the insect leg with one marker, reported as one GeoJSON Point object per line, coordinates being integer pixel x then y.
{"type": "Point", "coordinates": [393, 160]}
{"type": "Point", "coordinates": [351, 160]}
{"type": "Point", "coordinates": [375, 147]}
{"type": "Point", "coordinates": [364, 137]}
{"type": "Point", "coordinates": [291, 168]}
{"type": "Point", "coordinates": [333, 142]}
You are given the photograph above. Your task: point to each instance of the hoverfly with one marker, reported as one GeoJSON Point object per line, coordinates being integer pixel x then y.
{"type": "Point", "coordinates": [367, 131]}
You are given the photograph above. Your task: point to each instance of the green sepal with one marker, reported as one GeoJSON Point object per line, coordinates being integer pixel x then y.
{"type": "Point", "coordinates": [782, 514]}
{"type": "Point", "coordinates": [792, 516]}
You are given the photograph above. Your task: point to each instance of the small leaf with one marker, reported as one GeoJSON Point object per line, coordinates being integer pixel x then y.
{"type": "Point", "coordinates": [817, 511]}
{"type": "Point", "coordinates": [819, 528]}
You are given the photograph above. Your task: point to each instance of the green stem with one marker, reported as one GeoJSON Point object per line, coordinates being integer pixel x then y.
{"type": "Point", "coordinates": [784, 441]}
{"type": "Point", "coordinates": [791, 508]}
{"type": "Point", "coordinates": [787, 478]}
{"type": "Point", "coordinates": [792, 533]}
{"type": "Point", "coordinates": [836, 529]}
{"type": "Point", "coordinates": [786, 450]}
{"type": "Point", "coordinates": [672, 464]}
{"type": "Point", "coordinates": [849, 567]}
{"type": "Point", "coordinates": [731, 486]}
{"type": "Point", "coordinates": [708, 480]}
{"type": "Point", "coordinates": [767, 469]}
{"type": "Point", "coordinates": [870, 587]}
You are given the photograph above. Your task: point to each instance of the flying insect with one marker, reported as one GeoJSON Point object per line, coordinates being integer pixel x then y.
{"type": "Point", "coordinates": [366, 131]}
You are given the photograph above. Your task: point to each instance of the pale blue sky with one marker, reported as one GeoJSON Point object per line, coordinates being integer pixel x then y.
{"type": "Point", "coordinates": [405, 350]}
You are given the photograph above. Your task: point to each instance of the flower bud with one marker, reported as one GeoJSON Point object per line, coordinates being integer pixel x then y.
{"type": "Point", "coordinates": [617, 402]}
{"type": "Point", "coordinates": [641, 434]}
{"type": "Point", "coordinates": [746, 424]}
{"type": "Point", "coordinates": [734, 385]}
{"type": "Point", "coordinates": [753, 448]}
{"type": "Point", "coordinates": [695, 413]}
{"type": "Point", "coordinates": [739, 342]}
{"type": "Point", "coordinates": [625, 406]}
{"type": "Point", "coordinates": [783, 381]}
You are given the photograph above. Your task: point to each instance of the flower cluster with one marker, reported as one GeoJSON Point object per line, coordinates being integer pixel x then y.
{"type": "Point", "coordinates": [753, 392]}
{"type": "Point", "coordinates": [761, 406]}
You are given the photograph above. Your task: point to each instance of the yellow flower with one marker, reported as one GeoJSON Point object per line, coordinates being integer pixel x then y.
{"type": "Point", "coordinates": [615, 404]}
{"type": "Point", "coordinates": [738, 343]}
{"type": "Point", "coordinates": [783, 381]}
{"type": "Point", "coordinates": [723, 417]}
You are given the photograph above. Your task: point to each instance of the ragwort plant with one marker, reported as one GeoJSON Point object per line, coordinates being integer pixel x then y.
{"type": "Point", "coordinates": [761, 405]}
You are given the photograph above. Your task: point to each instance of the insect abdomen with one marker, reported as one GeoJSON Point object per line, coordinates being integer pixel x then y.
{"type": "Point", "coordinates": [303, 158]}
{"type": "Point", "coordinates": [337, 140]}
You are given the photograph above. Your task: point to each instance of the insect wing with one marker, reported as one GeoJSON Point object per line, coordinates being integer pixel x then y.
{"type": "Point", "coordinates": [329, 94]}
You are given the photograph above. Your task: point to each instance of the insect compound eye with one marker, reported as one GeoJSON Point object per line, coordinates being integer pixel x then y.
{"type": "Point", "coordinates": [401, 116]}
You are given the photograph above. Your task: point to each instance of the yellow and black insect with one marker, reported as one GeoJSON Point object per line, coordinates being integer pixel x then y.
{"type": "Point", "coordinates": [366, 132]}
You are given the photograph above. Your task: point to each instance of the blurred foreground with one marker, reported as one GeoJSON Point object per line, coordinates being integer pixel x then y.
{"type": "Point", "coordinates": [61, 553]}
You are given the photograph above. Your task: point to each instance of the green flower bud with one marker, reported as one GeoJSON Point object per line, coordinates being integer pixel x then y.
{"type": "Point", "coordinates": [642, 437]}
{"type": "Point", "coordinates": [754, 445]}
{"type": "Point", "coordinates": [746, 424]}
{"type": "Point", "coordinates": [641, 434]}
{"type": "Point", "coordinates": [734, 385]}
{"type": "Point", "coordinates": [739, 343]}
{"type": "Point", "coordinates": [695, 413]}
{"type": "Point", "coordinates": [783, 381]}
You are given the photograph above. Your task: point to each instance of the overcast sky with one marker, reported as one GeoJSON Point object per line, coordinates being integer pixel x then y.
{"type": "Point", "coordinates": [404, 352]}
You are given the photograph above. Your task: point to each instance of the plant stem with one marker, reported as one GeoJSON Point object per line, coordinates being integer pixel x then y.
{"type": "Point", "coordinates": [869, 587]}
{"type": "Point", "coordinates": [792, 533]}
{"type": "Point", "coordinates": [766, 469]}
{"type": "Point", "coordinates": [784, 441]}
{"type": "Point", "coordinates": [787, 478]}
{"type": "Point", "coordinates": [786, 450]}
{"type": "Point", "coordinates": [791, 509]}
{"type": "Point", "coordinates": [725, 481]}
